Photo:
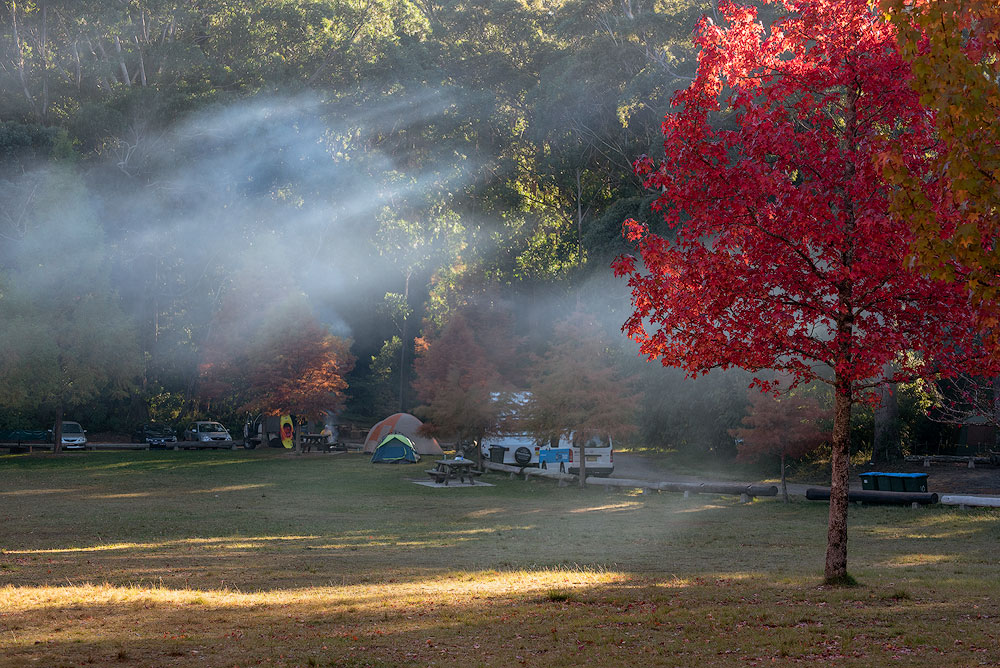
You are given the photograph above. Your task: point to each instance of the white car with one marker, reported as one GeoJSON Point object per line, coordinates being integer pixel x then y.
{"type": "Point", "coordinates": [206, 431]}
{"type": "Point", "coordinates": [74, 437]}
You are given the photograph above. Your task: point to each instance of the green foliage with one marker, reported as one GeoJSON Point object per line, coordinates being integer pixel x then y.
{"type": "Point", "coordinates": [64, 340]}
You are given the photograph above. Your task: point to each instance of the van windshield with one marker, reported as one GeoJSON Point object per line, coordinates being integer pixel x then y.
{"type": "Point", "coordinates": [211, 427]}
{"type": "Point", "coordinates": [72, 428]}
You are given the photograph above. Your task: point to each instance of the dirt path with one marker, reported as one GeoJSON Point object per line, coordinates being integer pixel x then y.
{"type": "Point", "coordinates": [941, 478]}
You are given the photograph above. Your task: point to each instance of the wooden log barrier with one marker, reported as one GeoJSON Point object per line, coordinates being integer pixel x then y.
{"type": "Point", "coordinates": [965, 500]}
{"type": "Point", "coordinates": [737, 489]}
{"type": "Point", "coordinates": [873, 497]}
{"type": "Point", "coordinates": [529, 471]}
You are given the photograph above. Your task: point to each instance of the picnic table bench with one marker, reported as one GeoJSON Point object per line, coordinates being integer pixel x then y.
{"type": "Point", "coordinates": [318, 441]}
{"type": "Point", "coordinates": [453, 469]}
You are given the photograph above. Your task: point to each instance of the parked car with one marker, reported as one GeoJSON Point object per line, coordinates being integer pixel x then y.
{"type": "Point", "coordinates": [154, 434]}
{"type": "Point", "coordinates": [206, 431]}
{"type": "Point", "coordinates": [74, 437]}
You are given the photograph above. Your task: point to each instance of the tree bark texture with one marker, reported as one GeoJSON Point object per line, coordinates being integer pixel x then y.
{"type": "Point", "coordinates": [836, 538]}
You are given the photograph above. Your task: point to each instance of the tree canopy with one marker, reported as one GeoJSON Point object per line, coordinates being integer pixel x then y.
{"type": "Point", "coordinates": [952, 199]}
{"type": "Point", "coordinates": [785, 254]}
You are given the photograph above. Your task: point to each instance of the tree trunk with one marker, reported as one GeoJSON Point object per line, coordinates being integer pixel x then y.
{"type": "Point", "coordinates": [121, 62]}
{"type": "Point", "coordinates": [20, 56]}
{"type": "Point", "coordinates": [784, 485]}
{"type": "Point", "coordinates": [402, 342]}
{"type": "Point", "coordinates": [995, 382]}
{"type": "Point", "coordinates": [142, 63]}
{"type": "Point", "coordinates": [44, 52]}
{"type": "Point", "coordinates": [78, 67]}
{"type": "Point", "coordinates": [836, 537]}
{"type": "Point", "coordinates": [886, 446]}
{"type": "Point", "coordinates": [105, 61]}
{"type": "Point", "coordinates": [57, 430]}
{"type": "Point", "coordinates": [579, 219]}
{"type": "Point", "coordinates": [583, 463]}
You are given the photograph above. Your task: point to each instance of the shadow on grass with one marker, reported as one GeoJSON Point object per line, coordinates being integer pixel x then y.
{"type": "Point", "coordinates": [463, 618]}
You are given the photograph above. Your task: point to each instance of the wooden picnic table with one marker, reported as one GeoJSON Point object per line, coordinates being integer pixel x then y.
{"type": "Point", "coordinates": [318, 441]}
{"type": "Point", "coordinates": [453, 469]}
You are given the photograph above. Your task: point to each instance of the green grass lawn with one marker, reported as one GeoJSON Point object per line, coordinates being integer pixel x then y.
{"type": "Point", "coordinates": [237, 558]}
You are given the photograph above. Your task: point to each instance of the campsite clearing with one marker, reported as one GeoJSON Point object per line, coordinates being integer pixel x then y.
{"type": "Point", "coordinates": [235, 558]}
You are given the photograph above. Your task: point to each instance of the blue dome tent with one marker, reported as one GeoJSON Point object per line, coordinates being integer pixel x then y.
{"type": "Point", "coordinates": [395, 448]}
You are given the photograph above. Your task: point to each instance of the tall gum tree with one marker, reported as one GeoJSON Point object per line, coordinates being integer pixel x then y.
{"type": "Point", "coordinates": [784, 255]}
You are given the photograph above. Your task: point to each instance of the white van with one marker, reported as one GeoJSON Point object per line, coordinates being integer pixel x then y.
{"type": "Point", "coordinates": [600, 454]}
{"type": "Point", "coordinates": [511, 449]}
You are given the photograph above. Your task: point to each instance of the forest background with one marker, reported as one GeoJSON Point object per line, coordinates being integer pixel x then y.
{"type": "Point", "coordinates": [185, 184]}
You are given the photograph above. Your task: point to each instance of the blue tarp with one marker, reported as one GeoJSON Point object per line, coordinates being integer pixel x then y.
{"type": "Point", "coordinates": [22, 435]}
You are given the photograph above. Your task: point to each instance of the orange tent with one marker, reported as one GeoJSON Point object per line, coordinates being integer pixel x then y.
{"type": "Point", "coordinates": [408, 426]}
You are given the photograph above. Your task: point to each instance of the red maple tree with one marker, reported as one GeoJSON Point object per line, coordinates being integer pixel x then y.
{"type": "Point", "coordinates": [785, 256]}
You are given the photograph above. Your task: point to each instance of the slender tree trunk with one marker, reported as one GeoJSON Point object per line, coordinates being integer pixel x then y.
{"type": "Point", "coordinates": [836, 539]}
{"type": "Point", "coordinates": [784, 484]}
{"type": "Point", "coordinates": [79, 68]}
{"type": "Point", "coordinates": [57, 429]}
{"type": "Point", "coordinates": [579, 219]}
{"type": "Point", "coordinates": [121, 62]}
{"type": "Point", "coordinates": [885, 442]}
{"type": "Point", "coordinates": [402, 341]}
{"type": "Point", "coordinates": [583, 461]}
{"type": "Point", "coordinates": [44, 52]}
{"type": "Point", "coordinates": [142, 63]}
{"type": "Point", "coordinates": [104, 60]}
{"type": "Point", "coordinates": [995, 382]}
{"type": "Point", "coordinates": [20, 56]}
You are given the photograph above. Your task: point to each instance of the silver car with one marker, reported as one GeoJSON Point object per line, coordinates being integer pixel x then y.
{"type": "Point", "coordinates": [206, 431]}
{"type": "Point", "coordinates": [74, 437]}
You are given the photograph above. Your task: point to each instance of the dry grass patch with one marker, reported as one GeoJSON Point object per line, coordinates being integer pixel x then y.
{"type": "Point", "coordinates": [148, 559]}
